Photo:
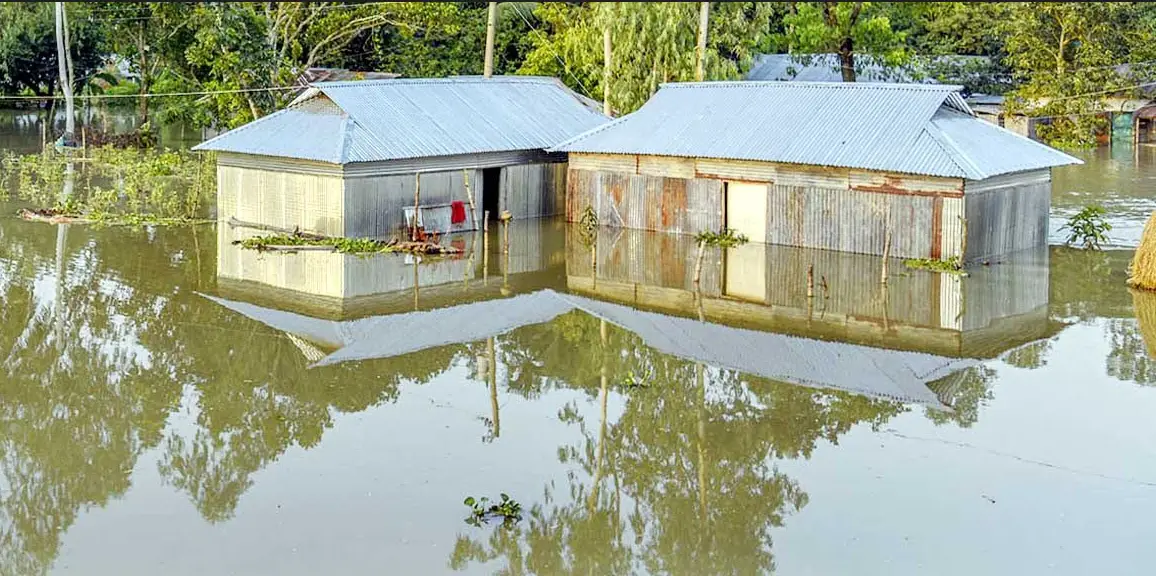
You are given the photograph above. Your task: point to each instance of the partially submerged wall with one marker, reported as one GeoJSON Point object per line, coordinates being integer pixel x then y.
{"type": "Point", "coordinates": [285, 195]}
{"type": "Point", "coordinates": [1007, 213]}
{"type": "Point", "coordinates": [813, 207]}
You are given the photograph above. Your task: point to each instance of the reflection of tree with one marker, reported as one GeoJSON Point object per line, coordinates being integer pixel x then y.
{"type": "Point", "coordinates": [1087, 284]}
{"type": "Point", "coordinates": [1030, 356]}
{"type": "Point", "coordinates": [683, 482]}
{"type": "Point", "coordinates": [80, 399]}
{"type": "Point", "coordinates": [1129, 359]}
{"type": "Point", "coordinates": [965, 392]}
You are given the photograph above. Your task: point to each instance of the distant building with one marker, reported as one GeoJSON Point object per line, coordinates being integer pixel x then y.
{"type": "Point", "coordinates": [838, 166]}
{"type": "Point", "coordinates": [343, 159]}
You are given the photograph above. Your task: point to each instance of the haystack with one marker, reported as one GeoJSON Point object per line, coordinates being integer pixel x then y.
{"type": "Point", "coordinates": [1142, 272]}
{"type": "Point", "coordinates": [1144, 306]}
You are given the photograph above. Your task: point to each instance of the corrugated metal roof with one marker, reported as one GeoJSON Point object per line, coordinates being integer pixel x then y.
{"type": "Point", "coordinates": [415, 118]}
{"type": "Point", "coordinates": [886, 127]}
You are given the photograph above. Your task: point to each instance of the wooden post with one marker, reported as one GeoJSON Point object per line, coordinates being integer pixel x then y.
{"type": "Point", "coordinates": [416, 201]}
{"type": "Point", "coordinates": [485, 247]}
{"type": "Point", "coordinates": [470, 197]}
{"type": "Point", "coordinates": [886, 254]}
{"type": "Point", "coordinates": [606, 70]}
{"type": "Point", "coordinates": [506, 236]}
{"type": "Point", "coordinates": [700, 51]}
{"type": "Point", "coordinates": [493, 378]}
{"type": "Point", "coordinates": [811, 281]}
{"type": "Point", "coordinates": [491, 27]}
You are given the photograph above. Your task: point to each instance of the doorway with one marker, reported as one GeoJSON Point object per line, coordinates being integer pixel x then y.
{"type": "Point", "coordinates": [491, 191]}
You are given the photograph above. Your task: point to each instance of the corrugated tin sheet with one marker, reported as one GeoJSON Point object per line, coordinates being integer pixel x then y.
{"type": "Point", "coordinates": [312, 130]}
{"type": "Point", "coordinates": [416, 118]}
{"type": "Point", "coordinates": [905, 128]}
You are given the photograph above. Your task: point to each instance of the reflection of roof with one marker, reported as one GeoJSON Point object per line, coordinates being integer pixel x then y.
{"type": "Point", "coordinates": [906, 128]}
{"type": "Point", "coordinates": [891, 374]}
{"type": "Point", "coordinates": [379, 120]}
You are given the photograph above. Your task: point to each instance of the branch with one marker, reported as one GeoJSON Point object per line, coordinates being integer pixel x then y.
{"type": "Point", "coordinates": [854, 14]}
{"type": "Point", "coordinates": [829, 15]}
{"type": "Point", "coordinates": [348, 31]}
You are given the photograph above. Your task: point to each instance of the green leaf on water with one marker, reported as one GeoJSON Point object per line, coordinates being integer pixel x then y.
{"type": "Point", "coordinates": [469, 501]}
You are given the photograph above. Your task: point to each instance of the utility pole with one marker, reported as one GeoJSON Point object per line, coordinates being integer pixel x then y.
{"type": "Point", "coordinates": [63, 60]}
{"type": "Point", "coordinates": [606, 69]}
{"type": "Point", "coordinates": [700, 51]}
{"type": "Point", "coordinates": [491, 27]}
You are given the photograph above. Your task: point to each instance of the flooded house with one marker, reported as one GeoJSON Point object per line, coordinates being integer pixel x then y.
{"type": "Point", "coordinates": [855, 167]}
{"type": "Point", "coordinates": [349, 158]}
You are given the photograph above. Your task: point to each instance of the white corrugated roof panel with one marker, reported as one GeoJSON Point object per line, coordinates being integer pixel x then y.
{"type": "Point", "coordinates": [415, 118]}
{"type": "Point", "coordinates": [885, 127]}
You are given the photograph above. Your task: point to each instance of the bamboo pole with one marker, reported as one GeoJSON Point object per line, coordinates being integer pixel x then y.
{"type": "Point", "coordinates": [485, 247]}
{"type": "Point", "coordinates": [65, 76]}
{"type": "Point", "coordinates": [493, 378]}
{"type": "Point", "coordinates": [700, 50]}
{"type": "Point", "coordinates": [470, 197]}
{"type": "Point", "coordinates": [491, 28]}
{"type": "Point", "coordinates": [811, 281]}
{"type": "Point", "coordinates": [886, 255]}
{"type": "Point", "coordinates": [416, 200]}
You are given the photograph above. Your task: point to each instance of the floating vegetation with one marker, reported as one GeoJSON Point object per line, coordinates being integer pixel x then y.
{"type": "Point", "coordinates": [508, 510]}
{"type": "Point", "coordinates": [631, 381]}
{"type": "Point", "coordinates": [726, 238]}
{"type": "Point", "coordinates": [113, 186]}
{"type": "Point", "coordinates": [298, 240]}
{"type": "Point", "coordinates": [1088, 228]}
{"type": "Point", "coordinates": [950, 266]}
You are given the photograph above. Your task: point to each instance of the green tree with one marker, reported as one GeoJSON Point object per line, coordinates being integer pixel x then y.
{"type": "Point", "coordinates": [1066, 57]}
{"type": "Point", "coordinates": [848, 29]}
{"type": "Point", "coordinates": [28, 62]}
{"type": "Point", "coordinates": [652, 43]}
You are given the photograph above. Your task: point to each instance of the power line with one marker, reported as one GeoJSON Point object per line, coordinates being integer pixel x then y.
{"type": "Point", "coordinates": [556, 55]}
{"type": "Point", "coordinates": [156, 94]}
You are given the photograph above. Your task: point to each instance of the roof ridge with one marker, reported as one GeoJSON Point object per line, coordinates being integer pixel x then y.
{"type": "Point", "coordinates": [893, 86]}
{"type": "Point", "coordinates": [949, 147]}
{"type": "Point", "coordinates": [504, 79]}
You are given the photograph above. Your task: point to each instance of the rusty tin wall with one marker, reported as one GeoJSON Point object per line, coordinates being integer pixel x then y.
{"type": "Point", "coordinates": [1007, 214]}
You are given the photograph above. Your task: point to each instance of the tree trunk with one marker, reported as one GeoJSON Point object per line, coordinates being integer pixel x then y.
{"type": "Point", "coordinates": [491, 28]}
{"type": "Point", "coordinates": [145, 81]}
{"type": "Point", "coordinates": [700, 51]}
{"type": "Point", "coordinates": [847, 59]}
{"type": "Point", "coordinates": [65, 81]}
{"type": "Point", "coordinates": [606, 53]}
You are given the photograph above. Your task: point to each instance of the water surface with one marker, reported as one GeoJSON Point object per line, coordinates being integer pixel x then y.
{"type": "Point", "coordinates": [171, 405]}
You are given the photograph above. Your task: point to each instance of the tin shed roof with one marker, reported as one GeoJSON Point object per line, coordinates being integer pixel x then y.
{"type": "Point", "coordinates": [378, 120]}
{"type": "Point", "coordinates": [906, 128]}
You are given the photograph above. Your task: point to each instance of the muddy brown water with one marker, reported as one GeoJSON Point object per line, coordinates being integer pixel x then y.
{"type": "Point", "coordinates": [164, 409]}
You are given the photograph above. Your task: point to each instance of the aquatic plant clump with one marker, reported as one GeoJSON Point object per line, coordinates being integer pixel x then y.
{"type": "Point", "coordinates": [1087, 228]}
{"type": "Point", "coordinates": [950, 266]}
{"type": "Point", "coordinates": [288, 242]}
{"type": "Point", "coordinates": [508, 510]}
{"type": "Point", "coordinates": [113, 186]}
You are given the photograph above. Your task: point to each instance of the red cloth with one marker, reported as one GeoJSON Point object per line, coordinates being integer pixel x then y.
{"type": "Point", "coordinates": [457, 212]}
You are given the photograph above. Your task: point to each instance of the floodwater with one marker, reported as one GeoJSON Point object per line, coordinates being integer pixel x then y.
{"type": "Point", "coordinates": [171, 405]}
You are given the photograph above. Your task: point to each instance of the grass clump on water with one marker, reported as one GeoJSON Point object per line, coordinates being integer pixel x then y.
{"type": "Point", "coordinates": [950, 266]}
{"type": "Point", "coordinates": [342, 245]}
{"type": "Point", "coordinates": [112, 186]}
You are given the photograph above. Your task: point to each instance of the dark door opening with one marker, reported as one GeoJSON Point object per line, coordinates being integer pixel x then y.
{"type": "Point", "coordinates": [491, 188]}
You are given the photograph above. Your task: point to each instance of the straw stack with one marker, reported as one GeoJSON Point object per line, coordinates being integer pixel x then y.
{"type": "Point", "coordinates": [1144, 306]}
{"type": "Point", "coordinates": [1142, 272]}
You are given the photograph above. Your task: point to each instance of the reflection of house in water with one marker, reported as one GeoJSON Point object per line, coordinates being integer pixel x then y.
{"type": "Point", "coordinates": [765, 287]}
{"type": "Point", "coordinates": [330, 284]}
